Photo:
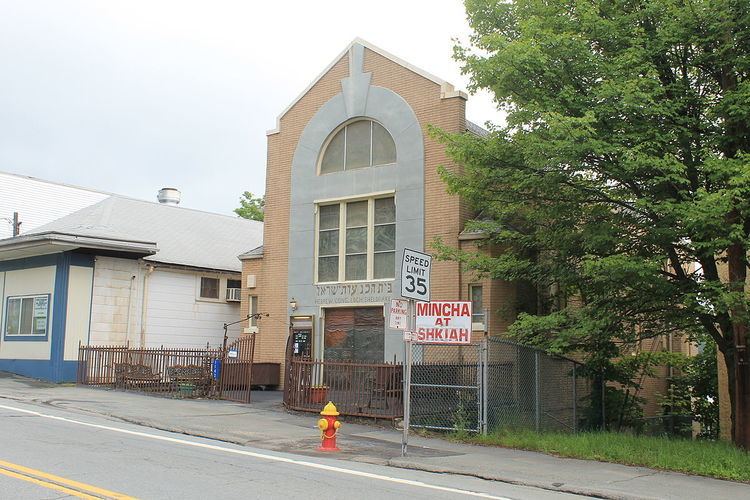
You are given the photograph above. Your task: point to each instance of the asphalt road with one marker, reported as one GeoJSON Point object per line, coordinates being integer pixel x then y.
{"type": "Point", "coordinates": [49, 453]}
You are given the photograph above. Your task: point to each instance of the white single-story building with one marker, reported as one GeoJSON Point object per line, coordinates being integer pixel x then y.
{"type": "Point", "coordinates": [120, 271]}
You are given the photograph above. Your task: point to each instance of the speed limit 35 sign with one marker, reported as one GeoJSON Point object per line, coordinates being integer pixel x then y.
{"type": "Point", "coordinates": [415, 275]}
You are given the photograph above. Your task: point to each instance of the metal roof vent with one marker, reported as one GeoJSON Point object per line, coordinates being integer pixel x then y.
{"type": "Point", "coordinates": [169, 196]}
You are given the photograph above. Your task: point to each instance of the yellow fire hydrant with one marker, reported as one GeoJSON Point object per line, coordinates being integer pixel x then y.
{"type": "Point", "coordinates": [329, 425]}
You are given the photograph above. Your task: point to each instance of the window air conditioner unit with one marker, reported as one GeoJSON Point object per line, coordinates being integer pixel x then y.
{"type": "Point", "coordinates": [234, 294]}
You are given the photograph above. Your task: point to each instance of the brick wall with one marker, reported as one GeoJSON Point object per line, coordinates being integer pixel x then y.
{"type": "Point", "coordinates": [444, 214]}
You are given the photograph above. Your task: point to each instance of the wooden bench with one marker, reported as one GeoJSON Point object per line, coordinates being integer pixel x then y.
{"type": "Point", "coordinates": [128, 375]}
{"type": "Point", "coordinates": [187, 378]}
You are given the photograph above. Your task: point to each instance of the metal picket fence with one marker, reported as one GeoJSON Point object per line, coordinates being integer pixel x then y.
{"type": "Point", "coordinates": [494, 384]}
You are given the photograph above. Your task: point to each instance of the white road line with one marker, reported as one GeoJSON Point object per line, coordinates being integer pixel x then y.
{"type": "Point", "coordinates": [303, 463]}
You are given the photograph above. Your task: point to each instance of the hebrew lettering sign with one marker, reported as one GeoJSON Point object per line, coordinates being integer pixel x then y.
{"type": "Point", "coordinates": [354, 293]}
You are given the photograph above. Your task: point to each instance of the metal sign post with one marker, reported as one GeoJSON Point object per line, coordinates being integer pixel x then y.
{"type": "Point", "coordinates": [407, 385]}
{"type": "Point", "coordinates": [415, 285]}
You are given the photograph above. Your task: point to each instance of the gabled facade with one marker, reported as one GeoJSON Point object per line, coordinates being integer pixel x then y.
{"type": "Point", "coordinates": [352, 180]}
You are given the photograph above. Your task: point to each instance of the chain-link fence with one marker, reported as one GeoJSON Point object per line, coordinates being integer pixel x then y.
{"type": "Point", "coordinates": [446, 387]}
{"type": "Point", "coordinates": [527, 388]}
{"type": "Point", "coordinates": [494, 384]}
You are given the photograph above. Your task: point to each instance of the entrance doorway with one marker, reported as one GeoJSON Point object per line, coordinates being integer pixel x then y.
{"type": "Point", "coordinates": [354, 334]}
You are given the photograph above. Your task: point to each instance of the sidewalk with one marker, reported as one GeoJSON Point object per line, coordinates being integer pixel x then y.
{"type": "Point", "coordinates": [264, 424]}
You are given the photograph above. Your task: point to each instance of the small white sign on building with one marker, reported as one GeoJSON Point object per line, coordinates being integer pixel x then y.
{"type": "Point", "coordinates": [399, 314]}
{"type": "Point", "coordinates": [415, 275]}
{"type": "Point", "coordinates": [443, 323]}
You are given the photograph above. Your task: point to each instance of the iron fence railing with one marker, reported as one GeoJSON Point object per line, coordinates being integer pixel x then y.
{"type": "Point", "coordinates": [358, 389]}
{"type": "Point", "coordinates": [210, 372]}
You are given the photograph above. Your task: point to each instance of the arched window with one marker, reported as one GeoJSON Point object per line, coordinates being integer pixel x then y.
{"type": "Point", "coordinates": [363, 143]}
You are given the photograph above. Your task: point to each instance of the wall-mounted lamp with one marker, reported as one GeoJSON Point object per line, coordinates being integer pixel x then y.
{"type": "Point", "coordinates": [293, 304]}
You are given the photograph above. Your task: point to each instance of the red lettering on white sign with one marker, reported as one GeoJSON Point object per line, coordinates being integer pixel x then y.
{"type": "Point", "coordinates": [443, 322]}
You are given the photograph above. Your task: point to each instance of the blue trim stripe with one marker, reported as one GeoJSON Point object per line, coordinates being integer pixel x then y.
{"type": "Point", "coordinates": [59, 314]}
{"type": "Point", "coordinates": [81, 260]}
{"type": "Point", "coordinates": [40, 368]}
{"type": "Point", "coordinates": [29, 262]}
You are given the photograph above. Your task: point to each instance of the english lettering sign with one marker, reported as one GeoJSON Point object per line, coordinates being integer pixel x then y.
{"type": "Point", "coordinates": [398, 314]}
{"type": "Point", "coordinates": [415, 275]}
{"type": "Point", "coordinates": [443, 323]}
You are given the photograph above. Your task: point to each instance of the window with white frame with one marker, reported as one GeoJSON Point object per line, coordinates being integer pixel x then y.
{"type": "Point", "coordinates": [357, 240]}
{"type": "Point", "coordinates": [209, 288]}
{"type": "Point", "coordinates": [477, 304]}
{"type": "Point", "coordinates": [253, 310]}
{"type": "Point", "coordinates": [27, 316]}
{"type": "Point", "coordinates": [359, 144]}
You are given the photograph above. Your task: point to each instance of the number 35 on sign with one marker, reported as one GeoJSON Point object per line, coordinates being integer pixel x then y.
{"type": "Point", "coordinates": [415, 275]}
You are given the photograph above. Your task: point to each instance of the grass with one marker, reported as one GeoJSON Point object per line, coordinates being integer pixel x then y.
{"type": "Point", "coordinates": [705, 458]}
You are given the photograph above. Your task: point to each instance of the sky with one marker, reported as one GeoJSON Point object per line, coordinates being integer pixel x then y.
{"type": "Point", "coordinates": [131, 96]}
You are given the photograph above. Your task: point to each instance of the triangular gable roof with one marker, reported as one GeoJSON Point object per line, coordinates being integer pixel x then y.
{"type": "Point", "coordinates": [446, 89]}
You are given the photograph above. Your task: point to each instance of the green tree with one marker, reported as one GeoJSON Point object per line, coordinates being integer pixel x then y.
{"type": "Point", "coordinates": [620, 184]}
{"type": "Point", "coordinates": [251, 207]}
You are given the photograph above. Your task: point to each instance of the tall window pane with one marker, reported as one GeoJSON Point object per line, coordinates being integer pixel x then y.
{"type": "Point", "coordinates": [384, 235]}
{"type": "Point", "coordinates": [27, 313]}
{"type": "Point", "coordinates": [384, 265]}
{"type": "Point", "coordinates": [329, 217]}
{"type": "Point", "coordinates": [358, 145]}
{"type": "Point", "coordinates": [356, 241]}
{"type": "Point", "coordinates": [253, 310]}
{"type": "Point", "coordinates": [328, 269]}
{"type": "Point", "coordinates": [356, 267]}
{"type": "Point", "coordinates": [383, 148]}
{"type": "Point", "coordinates": [333, 158]}
{"type": "Point", "coordinates": [385, 210]}
{"type": "Point", "coordinates": [477, 304]}
{"type": "Point", "coordinates": [356, 214]}
{"type": "Point", "coordinates": [328, 243]}
{"type": "Point", "coordinates": [13, 321]}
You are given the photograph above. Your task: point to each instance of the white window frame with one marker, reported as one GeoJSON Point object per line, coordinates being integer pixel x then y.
{"type": "Point", "coordinates": [20, 335]}
{"type": "Point", "coordinates": [253, 307]}
{"type": "Point", "coordinates": [222, 288]}
{"type": "Point", "coordinates": [342, 235]}
{"type": "Point", "coordinates": [477, 325]}
{"type": "Point", "coordinates": [335, 133]}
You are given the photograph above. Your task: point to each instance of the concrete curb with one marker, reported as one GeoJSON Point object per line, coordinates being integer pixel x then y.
{"type": "Point", "coordinates": [594, 493]}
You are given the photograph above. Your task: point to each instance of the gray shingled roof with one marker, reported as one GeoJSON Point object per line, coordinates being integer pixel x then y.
{"type": "Point", "coordinates": [476, 129]}
{"type": "Point", "coordinates": [183, 236]}
{"type": "Point", "coordinates": [255, 253]}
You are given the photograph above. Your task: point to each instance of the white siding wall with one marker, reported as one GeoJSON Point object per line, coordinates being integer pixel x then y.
{"type": "Point", "coordinates": [113, 298]}
{"type": "Point", "coordinates": [38, 202]}
{"type": "Point", "coordinates": [79, 310]}
{"type": "Point", "coordinates": [177, 318]}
